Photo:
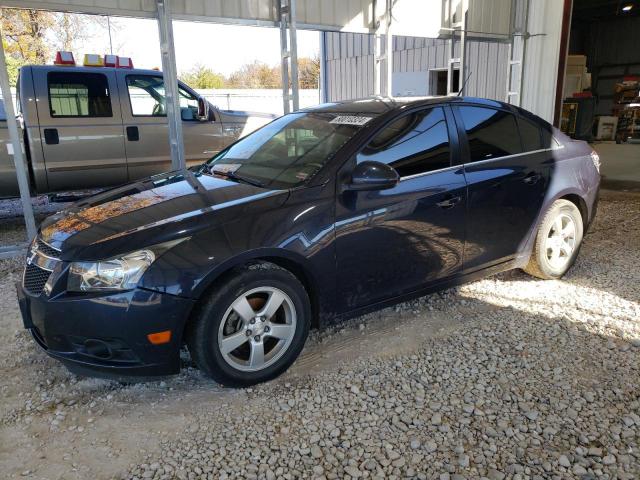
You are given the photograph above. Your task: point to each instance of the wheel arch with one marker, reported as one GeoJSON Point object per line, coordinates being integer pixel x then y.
{"type": "Point", "coordinates": [579, 202]}
{"type": "Point", "coordinates": [572, 195]}
{"type": "Point", "coordinates": [290, 261]}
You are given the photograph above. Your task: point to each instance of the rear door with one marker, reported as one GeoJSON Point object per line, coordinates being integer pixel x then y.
{"type": "Point", "coordinates": [506, 182]}
{"type": "Point", "coordinates": [147, 129]}
{"type": "Point", "coordinates": [80, 127]}
{"type": "Point", "coordinates": [391, 242]}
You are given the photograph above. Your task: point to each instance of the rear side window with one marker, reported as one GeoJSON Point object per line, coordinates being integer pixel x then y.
{"type": "Point", "coordinates": [74, 94]}
{"type": "Point", "coordinates": [413, 144]}
{"type": "Point", "coordinates": [548, 140]}
{"type": "Point", "coordinates": [491, 133]}
{"type": "Point", "coordinates": [530, 134]}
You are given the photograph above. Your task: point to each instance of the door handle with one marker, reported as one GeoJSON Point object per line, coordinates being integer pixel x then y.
{"type": "Point", "coordinates": [449, 202]}
{"type": "Point", "coordinates": [51, 136]}
{"type": "Point", "coordinates": [532, 178]}
{"type": "Point", "coordinates": [133, 134]}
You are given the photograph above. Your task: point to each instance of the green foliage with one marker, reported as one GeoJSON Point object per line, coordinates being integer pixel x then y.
{"type": "Point", "coordinates": [203, 77]}
{"type": "Point", "coordinates": [13, 68]}
{"type": "Point", "coordinates": [256, 75]}
{"type": "Point", "coordinates": [309, 72]}
{"type": "Point", "coordinates": [32, 36]}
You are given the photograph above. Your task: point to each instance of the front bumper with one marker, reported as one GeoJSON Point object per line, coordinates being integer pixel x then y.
{"type": "Point", "coordinates": [105, 335]}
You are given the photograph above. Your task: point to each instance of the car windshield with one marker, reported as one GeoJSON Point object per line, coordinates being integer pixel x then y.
{"type": "Point", "coordinates": [288, 151]}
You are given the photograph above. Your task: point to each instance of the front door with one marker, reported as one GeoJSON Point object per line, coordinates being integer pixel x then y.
{"type": "Point", "coordinates": [507, 177]}
{"type": "Point", "coordinates": [391, 242]}
{"type": "Point", "coordinates": [80, 127]}
{"type": "Point", "coordinates": [147, 129]}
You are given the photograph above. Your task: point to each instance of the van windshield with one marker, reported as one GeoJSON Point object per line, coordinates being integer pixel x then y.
{"type": "Point", "coordinates": [288, 151]}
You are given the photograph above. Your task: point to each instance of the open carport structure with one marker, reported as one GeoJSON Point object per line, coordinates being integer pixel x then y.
{"type": "Point", "coordinates": [529, 31]}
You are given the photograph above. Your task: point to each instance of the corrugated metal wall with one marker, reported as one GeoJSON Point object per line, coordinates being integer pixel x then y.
{"type": "Point", "coordinates": [350, 63]}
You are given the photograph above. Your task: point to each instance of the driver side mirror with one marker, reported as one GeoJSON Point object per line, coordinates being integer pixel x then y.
{"type": "Point", "coordinates": [370, 175]}
{"type": "Point", "coordinates": [203, 109]}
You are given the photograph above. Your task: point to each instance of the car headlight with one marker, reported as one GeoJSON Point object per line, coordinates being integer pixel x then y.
{"type": "Point", "coordinates": [121, 273]}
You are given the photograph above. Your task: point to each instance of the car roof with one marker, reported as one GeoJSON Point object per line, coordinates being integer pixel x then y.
{"type": "Point", "coordinates": [379, 105]}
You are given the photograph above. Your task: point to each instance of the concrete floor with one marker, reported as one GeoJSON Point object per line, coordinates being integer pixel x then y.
{"type": "Point", "coordinates": [620, 167]}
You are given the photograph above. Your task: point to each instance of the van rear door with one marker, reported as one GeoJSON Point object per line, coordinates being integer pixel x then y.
{"type": "Point", "coordinates": [80, 127]}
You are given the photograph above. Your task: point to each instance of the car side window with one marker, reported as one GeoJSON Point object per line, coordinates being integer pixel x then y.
{"type": "Point", "coordinates": [530, 134]}
{"type": "Point", "coordinates": [413, 144]}
{"type": "Point", "coordinates": [548, 140]}
{"type": "Point", "coordinates": [73, 94]}
{"type": "Point", "coordinates": [490, 133]}
{"type": "Point", "coordinates": [148, 99]}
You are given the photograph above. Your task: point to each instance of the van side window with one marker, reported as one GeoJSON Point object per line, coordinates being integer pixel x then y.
{"type": "Point", "coordinates": [73, 94]}
{"type": "Point", "coordinates": [530, 134]}
{"type": "Point", "coordinates": [413, 144]}
{"type": "Point", "coordinates": [147, 97]}
{"type": "Point", "coordinates": [490, 133]}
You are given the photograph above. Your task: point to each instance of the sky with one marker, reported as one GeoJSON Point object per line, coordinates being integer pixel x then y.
{"type": "Point", "coordinates": [223, 48]}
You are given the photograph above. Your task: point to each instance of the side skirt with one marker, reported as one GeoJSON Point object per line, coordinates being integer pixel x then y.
{"type": "Point", "coordinates": [436, 287]}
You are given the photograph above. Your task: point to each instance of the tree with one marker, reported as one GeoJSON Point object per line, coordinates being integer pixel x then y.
{"type": "Point", "coordinates": [202, 77]}
{"type": "Point", "coordinates": [256, 75]}
{"type": "Point", "coordinates": [260, 75]}
{"type": "Point", "coordinates": [309, 72]}
{"type": "Point", "coordinates": [32, 36]}
{"type": "Point", "coordinates": [25, 34]}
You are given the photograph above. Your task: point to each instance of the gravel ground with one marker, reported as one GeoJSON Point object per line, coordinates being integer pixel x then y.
{"type": "Point", "coordinates": [508, 377]}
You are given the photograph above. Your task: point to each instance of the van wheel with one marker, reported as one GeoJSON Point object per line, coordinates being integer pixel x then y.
{"type": "Point", "coordinates": [251, 328]}
{"type": "Point", "coordinates": [557, 242]}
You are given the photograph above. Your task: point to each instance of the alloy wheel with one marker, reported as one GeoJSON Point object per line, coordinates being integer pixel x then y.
{"type": "Point", "coordinates": [561, 241]}
{"type": "Point", "coordinates": [257, 329]}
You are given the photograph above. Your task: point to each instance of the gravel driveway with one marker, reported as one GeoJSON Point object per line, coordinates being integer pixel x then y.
{"type": "Point", "coordinates": [508, 377]}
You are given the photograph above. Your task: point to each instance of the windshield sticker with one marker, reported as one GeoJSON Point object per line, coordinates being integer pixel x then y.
{"type": "Point", "coordinates": [302, 176]}
{"type": "Point", "coordinates": [226, 167]}
{"type": "Point", "coordinates": [350, 120]}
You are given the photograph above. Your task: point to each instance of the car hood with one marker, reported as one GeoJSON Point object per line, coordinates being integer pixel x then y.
{"type": "Point", "coordinates": [169, 205]}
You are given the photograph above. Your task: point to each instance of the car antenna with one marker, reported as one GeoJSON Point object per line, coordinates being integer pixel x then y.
{"type": "Point", "coordinates": [464, 84]}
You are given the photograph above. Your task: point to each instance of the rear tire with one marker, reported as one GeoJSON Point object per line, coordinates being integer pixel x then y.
{"type": "Point", "coordinates": [557, 242]}
{"type": "Point", "coordinates": [252, 327]}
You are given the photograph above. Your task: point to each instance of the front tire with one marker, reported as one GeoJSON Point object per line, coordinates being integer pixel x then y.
{"type": "Point", "coordinates": [557, 242]}
{"type": "Point", "coordinates": [252, 327]}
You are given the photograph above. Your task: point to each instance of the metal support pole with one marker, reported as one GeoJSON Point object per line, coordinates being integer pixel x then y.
{"type": "Point", "coordinates": [289, 54]}
{"type": "Point", "coordinates": [452, 52]}
{"type": "Point", "coordinates": [284, 55]}
{"type": "Point", "coordinates": [293, 59]}
{"type": "Point", "coordinates": [322, 82]}
{"type": "Point", "coordinates": [517, 51]}
{"type": "Point", "coordinates": [389, 50]}
{"type": "Point", "coordinates": [377, 60]}
{"type": "Point", "coordinates": [170, 75]}
{"type": "Point", "coordinates": [452, 47]}
{"type": "Point", "coordinates": [463, 42]}
{"type": "Point", "coordinates": [18, 158]}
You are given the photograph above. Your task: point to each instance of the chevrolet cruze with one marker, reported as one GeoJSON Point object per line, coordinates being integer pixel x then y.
{"type": "Point", "coordinates": [322, 214]}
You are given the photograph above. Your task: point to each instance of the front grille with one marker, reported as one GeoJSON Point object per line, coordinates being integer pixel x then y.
{"type": "Point", "coordinates": [35, 279]}
{"type": "Point", "coordinates": [47, 249]}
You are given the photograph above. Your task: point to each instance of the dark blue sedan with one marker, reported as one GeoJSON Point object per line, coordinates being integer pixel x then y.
{"type": "Point", "coordinates": [323, 214]}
